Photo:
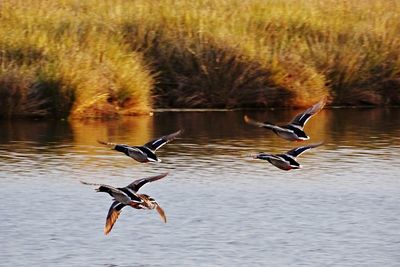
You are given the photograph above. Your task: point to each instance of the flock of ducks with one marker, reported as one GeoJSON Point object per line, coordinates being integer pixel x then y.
{"type": "Point", "coordinates": [129, 196]}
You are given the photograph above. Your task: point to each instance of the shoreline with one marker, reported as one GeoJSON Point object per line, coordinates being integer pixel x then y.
{"type": "Point", "coordinates": [185, 110]}
{"type": "Point", "coordinates": [160, 110]}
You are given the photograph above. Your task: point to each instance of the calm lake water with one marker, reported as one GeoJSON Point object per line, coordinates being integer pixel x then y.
{"type": "Point", "coordinates": [223, 207]}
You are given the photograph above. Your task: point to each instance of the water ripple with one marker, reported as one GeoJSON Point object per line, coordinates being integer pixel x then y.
{"type": "Point", "coordinates": [223, 207]}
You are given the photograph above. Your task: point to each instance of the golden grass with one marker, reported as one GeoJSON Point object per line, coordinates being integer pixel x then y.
{"type": "Point", "coordinates": [112, 57]}
{"type": "Point", "coordinates": [78, 63]}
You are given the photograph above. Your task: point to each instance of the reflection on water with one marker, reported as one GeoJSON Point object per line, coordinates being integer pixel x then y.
{"type": "Point", "coordinates": [223, 208]}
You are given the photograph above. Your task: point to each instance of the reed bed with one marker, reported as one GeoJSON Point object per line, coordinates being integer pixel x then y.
{"type": "Point", "coordinates": [106, 58]}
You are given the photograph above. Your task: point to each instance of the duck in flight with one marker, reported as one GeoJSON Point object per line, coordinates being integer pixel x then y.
{"type": "Point", "coordinates": [145, 153]}
{"type": "Point", "coordinates": [286, 161]}
{"type": "Point", "coordinates": [294, 130]}
{"type": "Point", "coordinates": [128, 196]}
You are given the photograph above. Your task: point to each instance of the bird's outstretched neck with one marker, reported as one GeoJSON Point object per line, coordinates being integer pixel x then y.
{"type": "Point", "coordinates": [109, 144]}
{"type": "Point", "coordinates": [257, 123]}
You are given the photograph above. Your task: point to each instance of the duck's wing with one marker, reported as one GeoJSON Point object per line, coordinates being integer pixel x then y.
{"type": "Point", "coordinates": [124, 191]}
{"type": "Point", "coordinates": [112, 216]}
{"type": "Point", "coordinates": [132, 150]}
{"type": "Point", "coordinates": [137, 184]}
{"type": "Point", "coordinates": [265, 125]}
{"type": "Point", "coordinates": [299, 150]}
{"type": "Point", "coordinates": [161, 212]}
{"type": "Point", "coordinates": [159, 142]}
{"type": "Point", "coordinates": [301, 119]}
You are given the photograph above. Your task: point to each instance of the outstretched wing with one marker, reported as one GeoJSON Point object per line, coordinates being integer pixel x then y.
{"type": "Point", "coordinates": [136, 185]}
{"type": "Point", "coordinates": [265, 125]}
{"type": "Point", "coordinates": [112, 216]}
{"type": "Point", "coordinates": [301, 119]}
{"type": "Point", "coordinates": [299, 150]}
{"type": "Point", "coordinates": [161, 212]}
{"type": "Point", "coordinates": [159, 142]}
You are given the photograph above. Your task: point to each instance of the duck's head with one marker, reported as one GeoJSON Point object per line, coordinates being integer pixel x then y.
{"type": "Point", "coordinates": [102, 189]}
{"type": "Point", "coordinates": [119, 148]}
{"type": "Point", "coordinates": [261, 156]}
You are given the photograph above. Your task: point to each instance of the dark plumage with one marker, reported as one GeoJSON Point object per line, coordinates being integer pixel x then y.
{"type": "Point", "coordinates": [145, 153]}
{"type": "Point", "coordinates": [127, 196]}
{"type": "Point", "coordinates": [288, 160]}
{"type": "Point", "coordinates": [293, 131]}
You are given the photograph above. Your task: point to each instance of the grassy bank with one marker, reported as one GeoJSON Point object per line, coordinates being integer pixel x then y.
{"type": "Point", "coordinates": [60, 58]}
{"type": "Point", "coordinates": [112, 57]}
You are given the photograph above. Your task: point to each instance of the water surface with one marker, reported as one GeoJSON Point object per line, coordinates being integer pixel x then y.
{"type": "Point", "coordinates": [223, 207]}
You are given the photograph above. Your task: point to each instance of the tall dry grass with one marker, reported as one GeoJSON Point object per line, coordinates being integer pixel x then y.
{"type": "Point", "coordinates": [61, 58]}
{"type": "Point", "coordinates": [268, 52]}
{"type": "Point", "coordinates": [110, 57]}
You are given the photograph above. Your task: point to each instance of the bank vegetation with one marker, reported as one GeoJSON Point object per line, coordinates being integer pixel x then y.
{"type": "Point", "coordinates": [106, 58]}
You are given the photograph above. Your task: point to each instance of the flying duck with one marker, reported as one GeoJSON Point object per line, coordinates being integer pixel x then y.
{"type": "Point", "coordinates": [145, 153]}
{"type": "Point", "coordinates": [288, 160]}
{"type": "Point", "coordinates": [128, 196]}
{"type": "Point", "coordinates": [294, 130]}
